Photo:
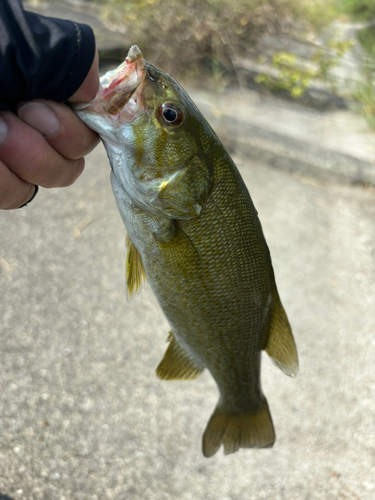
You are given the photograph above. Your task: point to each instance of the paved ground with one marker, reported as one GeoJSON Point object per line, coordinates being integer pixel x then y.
{"type": "Point", "coordinates": [82, 415]}
{"type": "Point", "coordinates": [332, 145]}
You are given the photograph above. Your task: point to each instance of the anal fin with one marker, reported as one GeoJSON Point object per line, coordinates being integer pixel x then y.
{"type": "Point", "coordinates": [280, 344]}
{"type": "Point", "coordinates": [177, 364]}
{"type": "Point", "coordinates": [135, 272]}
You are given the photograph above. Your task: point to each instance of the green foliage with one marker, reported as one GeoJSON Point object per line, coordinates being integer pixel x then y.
{"type": "Point", "coordinates": [295, 77]}
{"type": "Point", "coordinates": [202, 38]}
{"type": "Point", "coordinates": [290, 77]}
{"type": "Point", "coordinates": [183, 36]}
{"type": "Point", "coordinates": [358, 9]}
{"type": "Point", "coordinates": [367, 39]}
{"type": "Point", "coordinates": [365, 95]}
{"type": "Point", "coordinates": [315, 14]}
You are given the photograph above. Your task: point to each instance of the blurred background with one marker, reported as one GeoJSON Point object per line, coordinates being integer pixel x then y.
{"type": "Point", "coordinates": [289, 87]}
{"type": "Point", "coordinates": [284, 46]}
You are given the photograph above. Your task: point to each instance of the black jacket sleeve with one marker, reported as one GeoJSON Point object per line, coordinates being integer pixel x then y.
{"type": "Point", "coordinates": [41, 57]}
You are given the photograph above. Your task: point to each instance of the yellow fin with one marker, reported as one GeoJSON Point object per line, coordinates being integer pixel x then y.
{"type": "Point", "coordinates": [177, 364]}
{"type": "Point", "coordinates": [238, 430]}
{"type": "Point", "coordinates": [280, 344]}
{"type": "Point", "coordinates": [135, 272]}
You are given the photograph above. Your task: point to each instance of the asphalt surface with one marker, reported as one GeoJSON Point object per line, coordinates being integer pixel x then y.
{"type": "Point", "coordinates": [82, 414]}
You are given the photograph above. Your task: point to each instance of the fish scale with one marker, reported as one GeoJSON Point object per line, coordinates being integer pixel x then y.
{"type": "Point", "coordinates": [194, 233]}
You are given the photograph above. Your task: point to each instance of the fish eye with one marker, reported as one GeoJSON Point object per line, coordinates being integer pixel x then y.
{"type": "Point", "coordinates": [171, 114]}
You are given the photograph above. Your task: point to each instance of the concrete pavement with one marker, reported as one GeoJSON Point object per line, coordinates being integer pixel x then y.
{"type": "Point", "coordinates": [82, 415]}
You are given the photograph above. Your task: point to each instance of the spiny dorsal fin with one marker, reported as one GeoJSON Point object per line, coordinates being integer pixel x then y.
{"type": "Point", "coordinates": [135, 272]}
{"type": "Point", "coordinates": [280, 344]}
{"type": "Point", "coordinates": [177, 364]}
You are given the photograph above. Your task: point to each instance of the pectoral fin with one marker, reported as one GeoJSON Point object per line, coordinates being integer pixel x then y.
{"type": "Point", "coordinates": [177, 364]}
{"type": "Point", "coordinates": [183, 194]}
{"type": "Point", "coordinates": [135, 272]}
{"type": "Point", "coordinates": [280, 344]}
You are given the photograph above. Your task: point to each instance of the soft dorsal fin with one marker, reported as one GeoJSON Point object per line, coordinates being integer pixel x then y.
{"type": "Point", "coordinates": [280, 344]}
{"type": "Point", "coordinates": [177, 364]}
{"type": "Point", "coordinates": [134, 270]}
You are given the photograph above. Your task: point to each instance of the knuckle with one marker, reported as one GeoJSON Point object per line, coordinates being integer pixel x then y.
{"type": "Point", "coordinates": [53, 171]}
{"type": "Point", "coordinates": [7, 197]}
{"type": "Point", "coordinates": [75, 139]}
{"type": "Point", "coordinates": [76, 169]}
{"type": "Point", "coordinates": [39, 163]}
{"type": "Point", "coordinates": [29, 193]}
{"type": "Point", "coordinates": [87, 141]}
{"type": "Point", "coordinates": [15, 198]}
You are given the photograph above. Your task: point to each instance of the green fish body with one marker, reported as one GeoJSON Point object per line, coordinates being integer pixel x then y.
{"type": "Point", "coordinates": [194, 233]}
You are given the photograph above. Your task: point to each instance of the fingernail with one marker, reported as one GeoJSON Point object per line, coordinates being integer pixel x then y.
{"type": "Point", "coordinates": [40, 117]}
{"type": "Point", "coordinates": [3, 130]}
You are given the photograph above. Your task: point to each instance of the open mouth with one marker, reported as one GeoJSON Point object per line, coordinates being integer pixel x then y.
{"type": "Point", "coordinates": [120, 92]}
{"type": "Point", "coordinates": [121, 86]}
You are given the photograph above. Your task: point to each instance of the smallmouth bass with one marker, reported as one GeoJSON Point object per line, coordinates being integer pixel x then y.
{"type": "Point", "coordinates": [194, 234]}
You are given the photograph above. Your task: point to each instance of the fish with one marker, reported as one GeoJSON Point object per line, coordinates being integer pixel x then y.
{"type": "Point", "coordinates": [194, 235]}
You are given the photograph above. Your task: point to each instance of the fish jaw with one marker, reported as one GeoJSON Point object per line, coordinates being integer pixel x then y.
{"type": "Point", "coordinates": [119, 100]}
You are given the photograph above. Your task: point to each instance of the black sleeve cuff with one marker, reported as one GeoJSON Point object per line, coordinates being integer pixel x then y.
{"type": "Point", "coordinates": [41, 57]}
{"type": "Point", "coordinates": [80, 64]}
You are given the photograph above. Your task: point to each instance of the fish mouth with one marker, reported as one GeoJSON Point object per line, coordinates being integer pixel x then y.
{"type": "Point", "coordinates": [120, 91]}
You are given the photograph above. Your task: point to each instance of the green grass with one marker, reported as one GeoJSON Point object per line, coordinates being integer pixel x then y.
{"type": "Point", "coordinates": [360, 10]}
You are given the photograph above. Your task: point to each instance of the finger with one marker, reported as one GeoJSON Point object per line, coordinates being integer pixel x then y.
{"type": "Point", "coordinates": [87, 91]}
{"type": "Point", "coordinates": [29, 156]}
{"type": "Point", "coordinates": [14, 192]}
{"type": "Point", "coordinates": [60, 126]}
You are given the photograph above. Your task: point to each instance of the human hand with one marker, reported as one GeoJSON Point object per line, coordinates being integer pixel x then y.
{"type": "Point", "coordinates": [44, 145]}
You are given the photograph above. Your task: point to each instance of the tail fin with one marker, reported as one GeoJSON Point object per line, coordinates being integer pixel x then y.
{"type": "Point", "coordinates": [238, 430]}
